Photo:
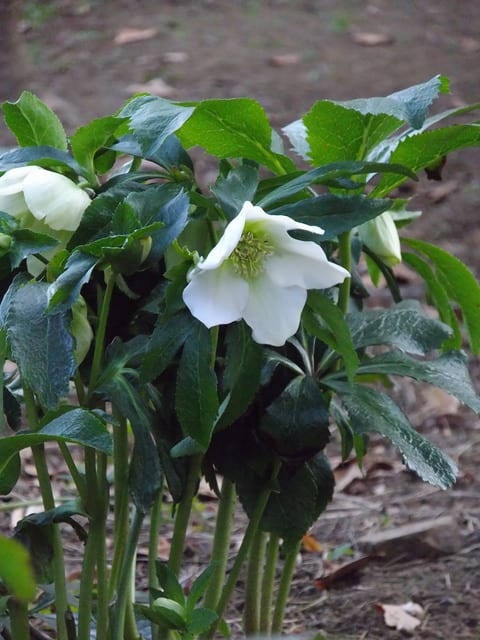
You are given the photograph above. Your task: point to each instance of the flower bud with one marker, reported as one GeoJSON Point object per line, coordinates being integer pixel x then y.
{"type": "Point", "coordinates": [5, 243]}
{"type": "Point", "coordinates": [380, 235]}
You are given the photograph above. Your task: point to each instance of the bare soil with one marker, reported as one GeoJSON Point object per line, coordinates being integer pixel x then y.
{"type": "Point", "coordinates": [287, 55]}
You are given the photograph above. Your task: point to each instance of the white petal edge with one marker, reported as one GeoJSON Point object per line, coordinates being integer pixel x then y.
{"type": "Point", "coordinates": [216, 297]}
{"type": "Point", "coordinates": [310, 270]}
{"type": "Point", "coordinates": [226, 245]}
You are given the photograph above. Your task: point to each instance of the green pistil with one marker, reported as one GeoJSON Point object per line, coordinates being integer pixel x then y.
{"type": "Point", "coordinates": [249, 255]}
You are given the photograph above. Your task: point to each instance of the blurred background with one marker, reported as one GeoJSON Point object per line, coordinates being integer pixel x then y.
{"type": "Point", "coordinates": [86, 57]}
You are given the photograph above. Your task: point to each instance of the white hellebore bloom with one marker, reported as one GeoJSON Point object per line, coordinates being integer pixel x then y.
{"type": "Point", "coordinates": [259, 273]}
{"type": "Point", "coordinates": [380, 235]}
{"type": "Point", "coordinates": [32, 194]}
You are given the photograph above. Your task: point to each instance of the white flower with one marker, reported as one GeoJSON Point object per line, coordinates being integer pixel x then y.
{"type": "Point", "coordinates": [380, 235]}
{"type": "Point", "coordinates": [32, 194]}
{"type": "Point", "coordinates": [259, 273]}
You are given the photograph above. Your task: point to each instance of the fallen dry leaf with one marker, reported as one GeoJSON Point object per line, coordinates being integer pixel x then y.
{"type": "Point", "coordinates": [345, 571]}
{"type": "Point", "coordinates": [127, 36]}
{"type": "Point", "coordinates": [403, 617]}
{"type": "Point", "coordinates": [309, 543]}
{"type": "Point", "coordinates": [175, 57]}
{"type": "Point", "coordinates": [284, 60]}
{"type": "Point", "coordinates": [370, 39]}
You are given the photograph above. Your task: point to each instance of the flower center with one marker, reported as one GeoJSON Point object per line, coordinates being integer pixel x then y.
{"type": "Point", "coordinates": [249, 255]}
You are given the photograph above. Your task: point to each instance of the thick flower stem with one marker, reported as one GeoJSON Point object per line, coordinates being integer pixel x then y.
{"type": "Point", "coordinates": [284, 588]}
{"type": "Point", "coordinates": [256, 558]}
{"type": "Point", "coordinates": [155, 521]}
{"type": "Point", "coordinates": [221, 542]}
{"type": "Point", "coordinates": [268, 581]}
{"type": "Point", "coordinates": [183, 514]}
{"type": "Point", "coordinates": [101, 332]}
{"type": "Point", "coordinates": [345, 255]}
{"type": "Point", "coordinates": [18, 612]}
{"type": "Point", "coordinates": [243, 550]}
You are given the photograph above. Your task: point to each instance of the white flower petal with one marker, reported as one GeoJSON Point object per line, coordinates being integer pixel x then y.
{"type": "Point", "coordinates": [55, 199]}
{"type": "Point", "coordinates": [276, 224]}
{"type": "Point", "coordinates": [216, 296]}
{"type": "Point", "coordinates": [225, 246]}
{"type": "Point", "coordinates": [13, 204]}
{"type": "Point", "coordinates": [273, 312]}
{"type": "Point", "coordinates": [12, 180]}
{"type": "Point", "coordinates": [307, 268]}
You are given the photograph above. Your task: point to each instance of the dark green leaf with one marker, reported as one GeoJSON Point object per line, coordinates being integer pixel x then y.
{"type": "Point", "coordinates": [196, 398]}
{"type": "Point", "coordinates": [38, 540]}
{"type": "Point", "coordinates": [404, 326]}
{"type": "Point", "coordinates": [372, 411]}
{"type": "Point", "coordinates": [233, 128]}
{"type": "Point", "coordinates": [43, 156]}
{"type": "Point", "coordinates": [334, 213]}
{"type": "Point", "coordinates": [33, 123]}
{"type": "Point", "coordinates": [64, 291]}
{"type": "Point", "coordinates": [460, 283]}
{"type": "Point", "coordinates": [169, 584]}
{"type": "Point", "coordinates": [297, 421]}
{"type": "Point", "coordinates": [234, 189]}
{"type": "Point", "coordinates": [9, 473]}
{"type": "Point", "coordinates": [199, 587]}
{"type": "Point", "coordinates": [26, 243]}
{"type": "Point", "coordinates": [200, 620]}
{"type": "Point", "coordinates": [41, 344]}
{"type": "Point", "coordinates": [449, 372]}
{"type": "Point", "coordinates": [169, 612]}
{"type": "Point", "coordinates": [16, 570]}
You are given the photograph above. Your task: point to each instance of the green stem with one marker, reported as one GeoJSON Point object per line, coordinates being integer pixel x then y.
{"type": "Point", "coordinates": [77, 477]}
{"type": "Point", "coordinates": [183, 514]}
{"type": "Point", "coordinates": [155, 522]}
{"type": "Point", "coordinates": [244, 549]}
{"type": "Point", "coordinates": [284, 588]}
{"type": "Point", "coordinates": [101, 332]}
{"type": "Point", "coordinates": [100, 546]}
{"type": "Point", "coordinates": [124, 591]}
{"type": "Point", "coordinates": [256, 559]}
{"type": "Point", "coordinates": [345, 255]}
{"type": "Point", "coordinates": [221, 543]}
{"type": "Point", "coordinates": [18, 612]}
{"type": "Point", "coordinates": [268, 583]}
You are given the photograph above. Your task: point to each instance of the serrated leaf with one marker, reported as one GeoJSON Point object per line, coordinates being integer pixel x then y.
{"type": "Point", "coordinates": [334, 213]}
{"type": "Point", "coordinates": [196, 399]}
{"type": "Point", "coordinates": [322, 318]}
{"type": "Point", "coordinates": [199, 587]}
{"type": "Point", "coordinates": [33, 123]}
{"type": "Point", "coordinates": [233, 128]}
{"type": "Point", "coordinates": [449, 372]}
{"type": "Point", "coordinates": [403, 325]}
{"type": "Point", "coordinates": [237, 187]}
{"type": "Point", "coordinates": [461, 285]}
{"type": "Point", "coordinates": [200, 620]}
{"type": "Point", "coordinates": [64, 291]}
{"type": "Point", "coordinates": [372, 411]}
{"type": "Point", "coordinates": [41, 344]}
{"type": "Point", "coordinates": [16, 569]}
{"type": "Point", "coordinates": [26, 242]}
{"type": "Point", "coordinates": [169, 583]}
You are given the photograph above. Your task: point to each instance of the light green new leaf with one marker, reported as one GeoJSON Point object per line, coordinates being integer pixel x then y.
{"type": "Point", "coordinates": [33, 123]}
{"type": "Point", "coordinates": [234, 128]}
{"type": "Point", "coordinates": [460, 283]}
{"type": "Point", "coordinates": [449, 372]}
{"type": "Point", "coordinates": [16, 570]}
{"type": "Point", "coordinates": [372, 411]}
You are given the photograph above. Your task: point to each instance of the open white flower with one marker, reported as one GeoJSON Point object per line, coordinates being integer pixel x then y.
{"type": "Point", "coordinates": [32, 194]}
{"type": "Point", "coordinates": [259, 273]}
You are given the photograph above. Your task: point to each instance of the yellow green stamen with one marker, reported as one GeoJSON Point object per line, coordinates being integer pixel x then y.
{"type": "Point", "coordinates": [249, 255]}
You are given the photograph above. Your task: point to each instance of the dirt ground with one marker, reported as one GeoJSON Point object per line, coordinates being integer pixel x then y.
{"type": "Point", "coordinates": [287, 55]}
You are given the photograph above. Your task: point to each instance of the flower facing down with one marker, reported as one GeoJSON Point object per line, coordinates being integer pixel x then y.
{"type": "Point", "coordinates": [380, 235]}
{"type": "Point", "coordinates": [35, 195]}
{"type": "Point", "coordinates": [259, 273]}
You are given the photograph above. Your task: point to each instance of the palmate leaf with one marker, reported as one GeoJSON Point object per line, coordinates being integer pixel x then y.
{"type": "Point", "coordinates": [372, 411]}
{"type": "Point", "coordinates": [33, 123]}
{"type": "Point", "coordinates": [234, 128]}
{"type": "Point", "coordinates": [459, 282]}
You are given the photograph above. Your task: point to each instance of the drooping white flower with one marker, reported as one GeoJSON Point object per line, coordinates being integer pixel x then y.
{"type": "Point", "coordinates": [380, 235]}
{"type": "Point", "coordinates": [259, 273]}
{"type": "Point", "coordinates": [32, 194]}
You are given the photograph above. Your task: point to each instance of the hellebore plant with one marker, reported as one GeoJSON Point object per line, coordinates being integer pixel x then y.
{"type": "Point", "coordinates": [173, 333]}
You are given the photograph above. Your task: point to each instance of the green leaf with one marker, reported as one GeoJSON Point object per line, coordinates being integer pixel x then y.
{"type": "Point", "coordinates": [323, 319]}
{"type": "Point", "coordinates": [449, 372]}
{"type": "Point", "coordinates": [460, 283]}
{"type": "Point", "coordinates": [326, 173]}
{"type": "Point", "coordinates": [234, 189]}
{"type": "Point", "coordinates": [26, 242]}
{"type": "Point", "coordinates": [296, 423]}
{"type": "Point", "coordinates": [169, 612]}
{"type": "Point", "coordinates": [153, 120]}
{"type": "Point", "coordinates": [41, 344]}
{"type": "Point", "coordinates": [234, 128]}
{"type": "Point", "coordinates": [33, 123]}
{"type": "Point", "coordinates": [439, 297]}
{"type": "Point", "coordinates": [200, 620]}
{"type": "Point", "coordinates": [96, 135]}
{"type": "Point", "coordinates": [16, 569]}
{"type": "Point", "coordinates": [196, 400]}
{"type": "Point", "coordinates": [44, 156]}
{"type": "Point", "coordinates": [243, 364]}
{"type": "Point", "coordinates": [334, 213]}
{"type": "Point", "coordinates": [199, 587]}
{"type": "Point", "coordinates": [64, 291]}
{"type": "Point", "coordinates": [9, 473]}
{"type": "Point", "coordinates": [426, 148]}
{"type": "Point", "coordinates": [38, 540]}
{"type": "Point", "coordinates": [372, 411]}
{"type": "Point", "coordinates": [403, 325]}
{"type": "Point", "coordinates": [169, 583]}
